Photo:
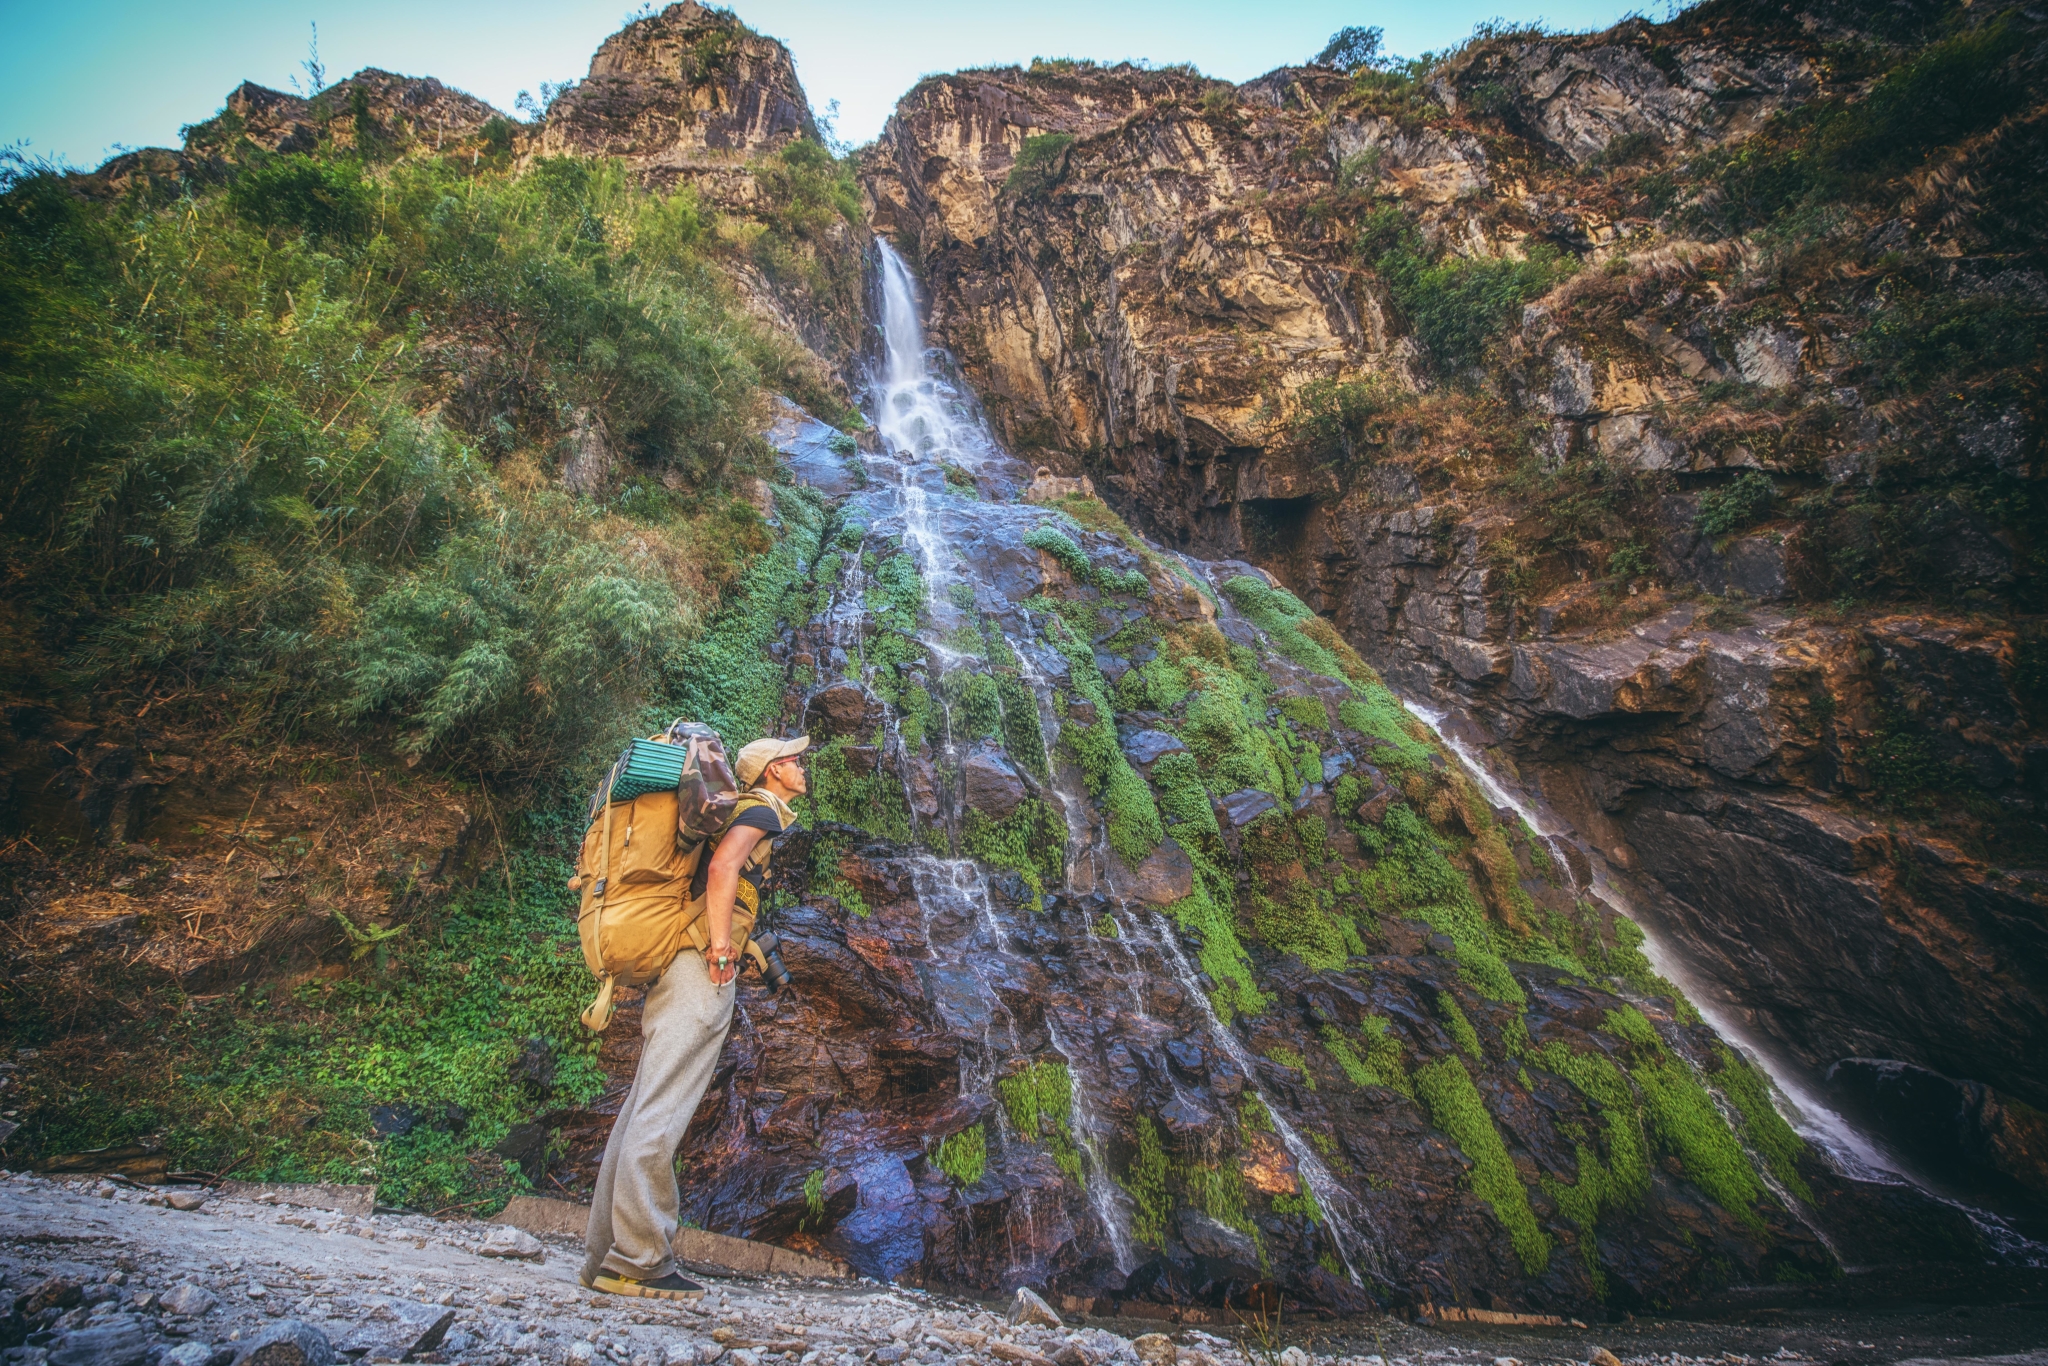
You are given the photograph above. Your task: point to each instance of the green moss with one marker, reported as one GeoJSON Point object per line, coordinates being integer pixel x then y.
{"type": "Point", "coordinates": [1303, 1204]}
{"type": "Point", "coordinates": [1306, 712]}
{"type": "Point", "coordinates": [1685, 1120]}
{"type": "Point", "coordinates": [1075, 561]}
{"type": "Point", "coordinates": [1281, 615]}
{"type": "Point", "coordinates": [1455, 1107]}
{"type": "Point", "coordinates": [1466, 1037]}
{"type": "Point", "coordinates": [873, 802]}
{"type": "Point", "coordinates": [1763, 1128]}
{"type": "Point", "coordinates": [1145, 1182]}
{"type": "Point", "coordinates": [1220, 955]}
{"type": "Point", "coordinates": [1159, 684]}
{"type": "Point", "coordinates": [1022, 735]}
{"type": "Point", "coordinates": [1217, 1189]}
{"type": "Point", "coordinates": [814, 1199]}
{"type": "Point", "coordinates": [1379, 714]}
{"type": "Point", "coordinates": [1412, 877]}
{"type": "Point", "coordinates": [828, 881]}
{"type": "Point", "coordinates": [1177, 779]}
{"type": "Point", "coordinates": [1040, 1103]}
{"type": "Point", "coordinates": [1229, 745]}
{"type": "Point", "coordinates": [963, 1156]}
{"type": "Point", "coordinates": [1253, 1117]}
{"type": "Point", "coordinates": [1031, 842]}
{"type": "Point", "coordinates": [974, 705]}
{"type": "Point", "coordinates": [1627, 961]}
{"type": "Point", "coordinates": [1133, 818]}
{"type": "Point", "coordinates": [1106, 928]}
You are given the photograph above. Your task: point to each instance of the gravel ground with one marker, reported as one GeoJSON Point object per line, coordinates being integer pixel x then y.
{"type": "Point", "coordinates": [114, 1276]}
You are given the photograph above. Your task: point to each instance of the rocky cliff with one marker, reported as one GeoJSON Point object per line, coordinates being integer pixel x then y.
{"type": "Point", "coordinates": [1643, 400]}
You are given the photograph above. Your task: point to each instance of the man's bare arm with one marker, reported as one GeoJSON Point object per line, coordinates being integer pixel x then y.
{"type": "Point", "coordinates": [721, 885]}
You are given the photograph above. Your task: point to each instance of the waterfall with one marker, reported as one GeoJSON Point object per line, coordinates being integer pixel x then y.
{"type": "Point", "coordinates": [933, 439]}
{"type": "Point", "coordinates": [927, 423]}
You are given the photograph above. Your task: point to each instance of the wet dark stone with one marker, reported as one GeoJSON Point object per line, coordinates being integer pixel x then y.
{"type": "Point", "coordinates": [1962, 1130]}
{"type": "Point", "coordinates": [841, 708]}
{"type": "Point", "coordinates": [1166, 875]}
{"type": "Point", "coordinates": [1243, 807]}
{"type": "Point", "coordinates": [1145, 747]}
{"type": "Point", "coordinates": [393, 1121]}
{"type": "Point", "coordinates": [990, 784]}
{"type": "Point", "coordinates": [535, 1064]}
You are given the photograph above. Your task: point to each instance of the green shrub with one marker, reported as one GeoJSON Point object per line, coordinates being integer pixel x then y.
{"type": "Point", "coordinates": [328, 200]}
{"type": "Point", "coordinates": [220, 477]}
{"type": "Point", "coordinates": [1041, 162]}
{"type": "Point", "coordinates": [1456, 304]}
{"type": "Point", "coordinates": [1736, 506]}
{"type": "Point", "coordinates": [1462, 1032]}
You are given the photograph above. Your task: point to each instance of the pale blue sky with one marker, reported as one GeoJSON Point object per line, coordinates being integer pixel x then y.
{"type": "Point", "coordinates": [79, 77]}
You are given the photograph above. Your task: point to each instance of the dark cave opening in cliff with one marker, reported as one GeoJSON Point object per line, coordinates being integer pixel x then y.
{"type": "Point", "coordinates": [1273, 529]}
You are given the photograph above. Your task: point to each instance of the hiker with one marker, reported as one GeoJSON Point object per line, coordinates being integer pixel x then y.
{"type": "Point", "coordinates": [635, 1207]}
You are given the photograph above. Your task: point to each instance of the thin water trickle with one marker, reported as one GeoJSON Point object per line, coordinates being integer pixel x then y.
{"type": "Point", "coordinates": [1846, 1148]}
{"type": "Point", "coordinates": [1334, 1200]}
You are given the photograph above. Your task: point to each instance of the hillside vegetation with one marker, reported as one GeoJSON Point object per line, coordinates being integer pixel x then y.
{"type": "Point", "coordinates": [355, 466]}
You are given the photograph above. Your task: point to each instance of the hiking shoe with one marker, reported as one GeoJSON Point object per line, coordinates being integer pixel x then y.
{"type": "Point", "coordinates": [669, 1287]}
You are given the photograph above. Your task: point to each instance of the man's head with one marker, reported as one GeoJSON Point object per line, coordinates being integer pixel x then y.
{"type": "Point", "coordinates": [774, 764]}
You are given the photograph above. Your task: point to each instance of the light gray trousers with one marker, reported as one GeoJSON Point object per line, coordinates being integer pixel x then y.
{"type": "Point", "coordinates": [635, 1206]}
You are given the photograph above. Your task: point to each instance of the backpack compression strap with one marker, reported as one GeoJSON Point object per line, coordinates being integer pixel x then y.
{"type": "Point", "coordinates": [598, 1014]}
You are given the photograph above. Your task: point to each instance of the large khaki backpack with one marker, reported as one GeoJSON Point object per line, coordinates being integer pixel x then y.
{"type": "Point", "coordinates": [640, 852]}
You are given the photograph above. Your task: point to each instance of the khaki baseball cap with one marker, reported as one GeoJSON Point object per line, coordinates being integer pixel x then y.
{"type": "Point", "coordinates": [755, 758]}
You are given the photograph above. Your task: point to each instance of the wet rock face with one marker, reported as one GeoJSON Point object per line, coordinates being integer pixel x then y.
{"type": "Point", "coordinates": [1144, 990]}
{"type": "Point", "coordinates": [1184, 265]}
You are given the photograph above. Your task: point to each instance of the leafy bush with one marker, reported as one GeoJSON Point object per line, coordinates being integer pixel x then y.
{"type": "Point", "coordinates": [1333, 418]}
{"type": "Point", "coordinates": [1041, 162]}
{"type": "Point", "coordinates": [1456, 304]}
{"type": "Point", "coordinates": [1354, 48]}
{"type": "Point", "coordinates": [1735, 506]}
{"type": "Point", "coordinates": [324, 199]}
{"type": "Point", "coordinates": [1918, 340]}
{"type": "Point", "coordinates": [221, 479]}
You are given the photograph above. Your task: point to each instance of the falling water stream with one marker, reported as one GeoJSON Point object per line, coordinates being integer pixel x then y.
{"type": "Point", "coordinates": [926, 423]}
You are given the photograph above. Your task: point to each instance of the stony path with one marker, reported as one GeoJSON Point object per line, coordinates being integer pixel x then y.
{"type": "Point", "coordinates": [107, 1275]}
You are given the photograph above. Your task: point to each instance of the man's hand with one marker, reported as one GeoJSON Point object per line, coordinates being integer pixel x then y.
{"type": "Point", "coordinates": [722, 883]}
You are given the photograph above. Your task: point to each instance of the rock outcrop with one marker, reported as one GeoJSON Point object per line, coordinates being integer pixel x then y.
{"type": "Point", "coordinates": [683, 95]}
{"type": "Point", "coordinates": [1773, 725]}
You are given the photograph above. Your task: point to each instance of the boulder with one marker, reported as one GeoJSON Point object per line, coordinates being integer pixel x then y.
{"type": "Point", "coordinates": [1155, 1349]}
{"type": "Point", "coordinates": [1028, 1307]}
{"type": "Point", "coordinates": [190, 1300]}
{"type": "Point", "coordinates": [289, 1342]}
{"type": "Point", "coordinates": [1243, 807]}
{"type": "Point", "coordinates": [1166, 876]}
{"type": "Point", "coordinates": [512, 1242]}
{"type": "Point", "coordinates": [1146, 747]}
{"type": "Point", "coordinates": [55, 1292]}
{"type": "Point", "coordinates": [117, 1340]}
{"type": "Point", "coordinates": [991, 785]}
{"type": "Point", "coordinates": [841, 708]}
{"type": "Point", "coordinates": [395, 1329]}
